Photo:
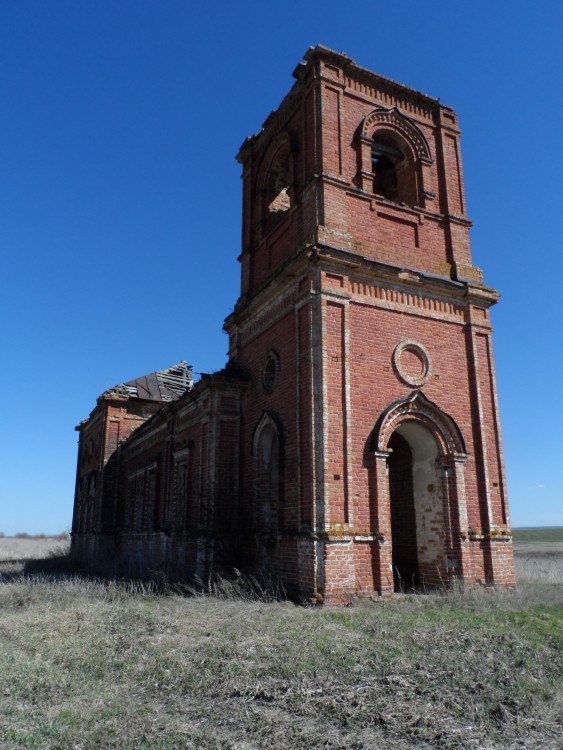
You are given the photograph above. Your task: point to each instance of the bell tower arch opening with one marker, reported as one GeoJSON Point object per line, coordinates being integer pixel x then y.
{"type": "Point", "coordinates": [394, 168]}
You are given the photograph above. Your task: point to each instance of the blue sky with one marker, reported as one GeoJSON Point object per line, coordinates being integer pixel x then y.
{"type": "Point", "coordinates": [120, 201]}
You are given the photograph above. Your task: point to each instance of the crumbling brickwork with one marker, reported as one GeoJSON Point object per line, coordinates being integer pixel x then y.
{"type": "Point", "coordinates": [352, 444]}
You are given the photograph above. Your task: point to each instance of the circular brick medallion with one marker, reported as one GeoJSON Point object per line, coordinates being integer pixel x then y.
{"type": "Point", "coordinates": [412, 362]}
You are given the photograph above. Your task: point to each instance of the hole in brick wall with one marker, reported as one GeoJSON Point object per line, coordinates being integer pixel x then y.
{"type": "Point", "coordinates": [279, 201]}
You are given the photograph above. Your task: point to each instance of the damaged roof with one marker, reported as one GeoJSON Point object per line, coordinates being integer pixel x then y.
{"type": "Point", "coordinates": [165, 386]}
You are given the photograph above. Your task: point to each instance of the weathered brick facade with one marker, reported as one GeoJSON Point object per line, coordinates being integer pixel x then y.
{"type": "Point", "coordinates": [352, 444]}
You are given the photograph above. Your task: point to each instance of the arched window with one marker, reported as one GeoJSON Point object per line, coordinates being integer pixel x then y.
{"type": "Point", "coordinates": [275, 183]}
{"type": "Point", "coordinates": [267, 479]}
{"type": "Point", "coordinates": [278, 199]}
{"type": "Point", "coordinates": [270, 371]}
{"type": "Point", "coordinates": [178, 512]}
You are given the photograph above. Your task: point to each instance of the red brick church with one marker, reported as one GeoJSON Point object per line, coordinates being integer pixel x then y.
{"type": "Point", "coordinates": [351, 445]}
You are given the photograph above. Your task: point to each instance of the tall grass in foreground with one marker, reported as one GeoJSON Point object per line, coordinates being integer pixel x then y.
{"type": "Point", "coordinates": [90, 665]}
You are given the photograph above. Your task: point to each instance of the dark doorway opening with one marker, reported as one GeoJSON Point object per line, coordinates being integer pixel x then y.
{"type": "Point", "coordinates": [403, 516]}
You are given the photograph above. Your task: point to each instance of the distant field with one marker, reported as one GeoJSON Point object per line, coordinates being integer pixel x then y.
{"type": "Point", "coordinates": [547, 534]}
{"type": "Point", "coordinates": [16, 548]}
{"type": "Point", "coordinates": [538, 555]}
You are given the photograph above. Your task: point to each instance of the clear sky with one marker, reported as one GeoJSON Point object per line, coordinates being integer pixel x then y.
{"type": "Point", "coordinates": [120, 201]}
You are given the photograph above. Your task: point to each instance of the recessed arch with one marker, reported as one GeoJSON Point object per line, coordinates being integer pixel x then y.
{"type": "Point", "coordinates": [268, 419]}
{"type": "Point", "coordinates": [267, 459]}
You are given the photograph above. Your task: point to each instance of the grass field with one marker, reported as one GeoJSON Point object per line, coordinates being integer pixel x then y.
{"type": "Point", "coordinates": [31, 548]}
{"type": "Point", "coordinates": [538, 555]}
{"type": "Point", "coordinates": [542, 535]}
{"type": "Point", "coordinates": [86, 665]}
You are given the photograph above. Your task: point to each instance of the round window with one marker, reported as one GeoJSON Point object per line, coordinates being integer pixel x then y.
{"type": "Point", "coordinates": [412, 363]}
{"type": "Point", "coordinates": [270, 371]}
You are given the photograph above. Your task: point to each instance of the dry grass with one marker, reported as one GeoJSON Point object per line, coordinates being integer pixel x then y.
{"type": "Point", "coordinates": [539, 563]}
{"type": "Point", "coordinates": [538, 555]}
{"type": "Point", "coordinates": [86, 664]}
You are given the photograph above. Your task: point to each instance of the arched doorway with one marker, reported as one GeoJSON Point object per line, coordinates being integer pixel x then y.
{"type": "Point", "coordinates": [417, 507]}
{"type": "Point", "coordinates": [403, 514]}
{"type": "Point", "coordinates": [420, 512]}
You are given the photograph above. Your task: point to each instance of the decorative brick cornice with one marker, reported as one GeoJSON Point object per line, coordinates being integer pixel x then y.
{"type": "Point", "coordinates": [482, 295]}
{"type": "Point", "coordinates": [371, 83]}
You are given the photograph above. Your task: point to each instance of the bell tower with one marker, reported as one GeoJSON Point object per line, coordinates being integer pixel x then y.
{"type": "Point", "coordinates": [370, 434]}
